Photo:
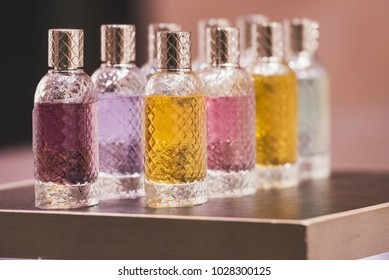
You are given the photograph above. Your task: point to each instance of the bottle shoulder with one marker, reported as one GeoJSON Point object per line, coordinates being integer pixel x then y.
{"type": "Point", "coordinates": [270, 68]}
{"type": "Point", "coordinates": [73, 86]}
{"type": "Point", "coordinates": [226, 81]}
{"type": "Point", "coordinates": [149, 68]}
{"type": "Point", "coordinates": [308, 69]}
{"type": "Point", "coordinates": [119, 79]}
{"type": "Point", "coordinates": [175, 83]}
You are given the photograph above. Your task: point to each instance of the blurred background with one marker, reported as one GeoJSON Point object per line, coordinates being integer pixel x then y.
{"type": "Point", "coordinates": [354, 45]}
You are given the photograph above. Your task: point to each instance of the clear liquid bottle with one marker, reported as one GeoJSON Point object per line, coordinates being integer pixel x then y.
{"type": "Point", "coordinates": [244, 24]}
{"type": "Point", "coordinates": [301, 43]}
{"type": "Point", "coordinates": [65, 128]}
{"type": "Point", "coordinates": [201, 61]}
{"type": "Point", "coordinates": [120, 86]}
{"type": "Point", "coordinates": [230, 117]}
{"type": "Point", "coordinates": [276, 108]}
{"type": "Point", "coordinates": [175, 128]}
{"type": "Point", "coordinates": [151, 65]}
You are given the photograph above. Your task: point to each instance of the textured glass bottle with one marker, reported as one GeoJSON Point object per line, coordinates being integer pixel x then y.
{"type": "Point", "coordinates": [121, 87]}
{"type": "Point", "coordinates": [247, 55]}
{"type": "Point", "coordinates": [65, 128]}
{"type": "Point", "coordinates": [276, 108]}
{"type": "Point", "coordinates": [151, 66]}
{"type": "Point", "coordinates": [201, 61]}
{"type": "Point", "coordinates": [314, 118]}
{"type": "Point", "coordinates": [175, 128]}
{"type": "Point", "coordinates": [230, 117]}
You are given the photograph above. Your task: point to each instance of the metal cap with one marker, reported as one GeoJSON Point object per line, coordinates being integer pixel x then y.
{"type": "Point", "coordinates": [66, 48]}
{"type": "Point", "coordinates": [244, 24]}
{"type": "Point", "coordinates": [202, 26]}
{"type": "Point", "coordinates": [301, 36]}
{"type": "Point", "coordinates": [174, 50]}
{"type": "Point", "coordinates": [118, 43]}
{"type": "Point", "coordinates": [222, 45]}
{"type": "Point", "coordinates": [267, 39]}
{"type": "Point", "coordinates": [154, 28]}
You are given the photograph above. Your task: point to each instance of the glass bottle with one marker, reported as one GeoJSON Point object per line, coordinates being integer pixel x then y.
{"type": "Point", "coordinates": [65, 128]}
{"type": "Point", "coordinates": [175, 128]}
{"type": "Point", "coordinates": [301, 43]}
{"type": "Point", "coordinates": [276, 108]}
{"type": "Point", "coordinates": [151, 65]}
{"type": "Point", "coordinates": [244, 23]}
{"type": "Point", "coordinates": [120, 86]}
{"type": "Point", "coordinates": [230, 117]}
{"type": "Point", "coordinates": [201, 62]}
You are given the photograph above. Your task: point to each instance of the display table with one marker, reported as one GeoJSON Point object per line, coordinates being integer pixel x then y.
{"type": "Point", "coordinates": [345, 217]}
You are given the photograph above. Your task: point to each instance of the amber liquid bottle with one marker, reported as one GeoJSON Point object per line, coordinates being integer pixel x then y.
{"type": "Point", "coordinates": [175, 128]}
{"type": "Point", "coordinates": [276, 108]}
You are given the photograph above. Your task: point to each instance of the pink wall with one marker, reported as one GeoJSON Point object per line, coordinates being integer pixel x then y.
{"type": "Point", "coordinates": [354, 44]}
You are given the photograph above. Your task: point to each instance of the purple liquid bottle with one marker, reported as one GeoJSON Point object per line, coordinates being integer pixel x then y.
{"type": "Point", "coordinates": [65, 128]}
{"type": "Point", "coordinates": [230, 117]}
{"type": "Point", "coordinates": [120, 86]}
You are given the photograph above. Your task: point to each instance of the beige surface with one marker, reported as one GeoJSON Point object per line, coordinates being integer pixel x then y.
{"type": "Point", "coordinates": [355, 47]}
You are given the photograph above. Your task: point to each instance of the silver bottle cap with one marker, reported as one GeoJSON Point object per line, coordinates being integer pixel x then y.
{"type": "Point", "coordinates": [154, 28]}
{"type": "Point", "coordinates": [174, 50]}
{"type": "Point", "coordinates": [66, 48]}
{"type": "Point", "coordinates": [118, 43]}
{"type": "Point", "coordinates": [267, 40]}
{"type": "Point", "coordinates": [301, 36]}
{"type": "Point", "coordinates": [244, 24]}
{"type": "Point", "coordinates": [222, 45]}
{"type": "Point", "coordinates": [202, 26]}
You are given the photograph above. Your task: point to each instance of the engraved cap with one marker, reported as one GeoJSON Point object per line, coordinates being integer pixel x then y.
{"type": "Point", "coordinates": [301, 36]}
{"type": "Point", "coordinates": [202, 26]}
{"type": "Point", "coordinates": [244, 23]}
{"type": "Point", "coordinates": [174, 50]}
{"type": "Point", "coordinates": [118, 43]}
{"type": "Point", "coordinates": [66, 48]}
{"type": "Point", "coordinates": [222, 45]}
{"type": "Point", "coordinates": [154, 28]}
{"type": "Point", "coordinates": [267, 39]}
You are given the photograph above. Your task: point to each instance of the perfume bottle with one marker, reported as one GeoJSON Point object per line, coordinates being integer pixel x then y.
{"type": "Point", "coordinates": [175, 128]}
{"type": "Point", "coordinates": [201, 62]}
{"type": "Point", "coordinates": [301, 43]}
{"type": "Point", "coordinates": [247, 54]}
{"type": "Point", "coordinates": [65, 128]}
{"type": "Point", "coordinates": [276, 108]}
{"type": "Point", "coordinates": [120, 86]}
{"type": "Point", "coordinates": [151, 66]}
{"type": "Point", "coordinates": [230, 109]}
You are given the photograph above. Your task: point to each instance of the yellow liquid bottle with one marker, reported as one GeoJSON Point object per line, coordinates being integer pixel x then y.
{"type": "Point", "coordinates": [276, 119]}
{"type": "Point", "coordinates": [276, 109]}
{"type": "Point", "coordinates": [175, 128]}
{"type": "Point", "coordinates": [175, 137]}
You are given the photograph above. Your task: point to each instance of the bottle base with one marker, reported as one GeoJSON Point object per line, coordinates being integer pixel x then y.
{"type": "Point", "coordinates": [49, 195]}
{"type": "Point", "coordinates": [314, 167]}
{"type": "Point", "coordinates": [223, 184]}
{"type": "Point", "coordinates": [159, 195]}
{"type": "Point", "coordinates": [283, 176]}
{"type": "Point", "coordinates": [120, 187]}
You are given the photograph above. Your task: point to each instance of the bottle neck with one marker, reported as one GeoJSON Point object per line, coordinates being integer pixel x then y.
{"type": "Point", "coordinates": [59, 70]}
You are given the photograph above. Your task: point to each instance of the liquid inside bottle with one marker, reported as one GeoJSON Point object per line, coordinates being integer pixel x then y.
{"type": "Point", "coordinates": [313, 124]}
{"type": "Point", "coordinates": [65, 149]}
{"type": "Point", "coordinates": [231, 145]}
{"type": "Point", "coordinates": [120, 145]}
{"type": "Point", "coordinates": [276, 128]}
{"type": "Point", "coordinates": [174, 149]}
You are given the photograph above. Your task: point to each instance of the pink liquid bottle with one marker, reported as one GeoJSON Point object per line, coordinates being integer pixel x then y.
{"type": "Point", "coordinates": [230, 117]}
{"type": "Point", "coordinates": [65, 128]}
{"type": "Point", "coordinates": [120, 86]}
